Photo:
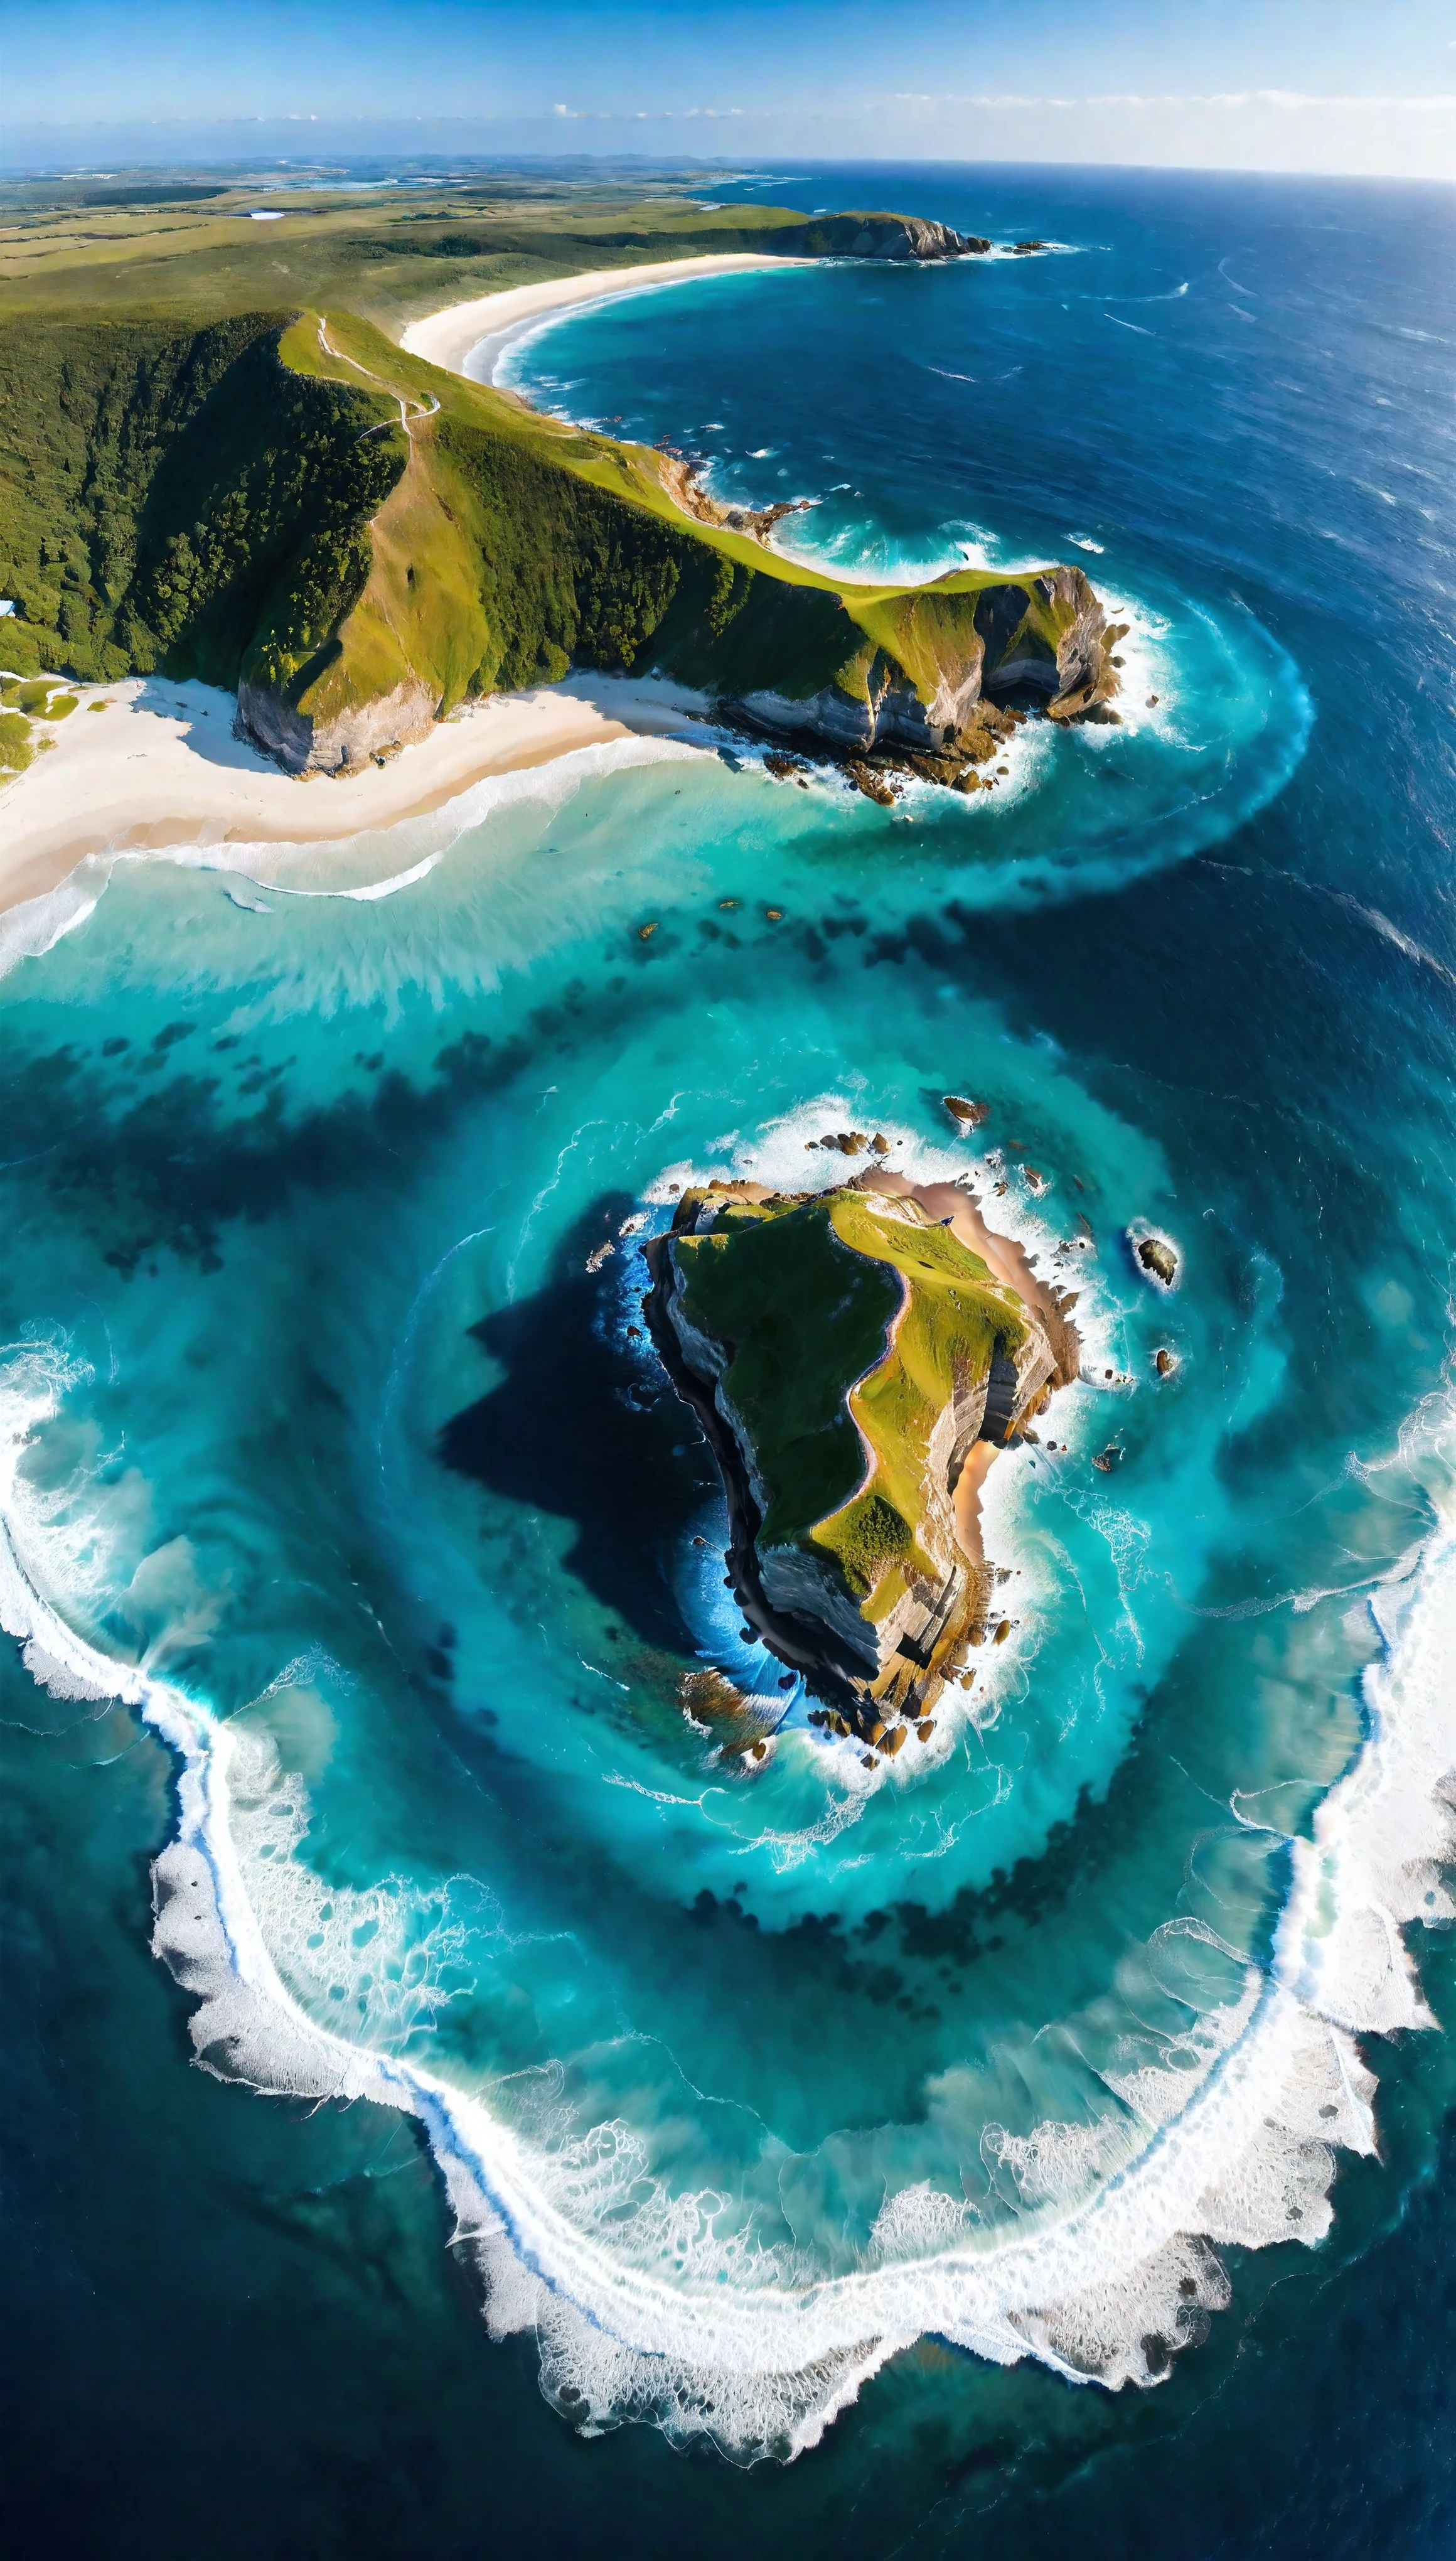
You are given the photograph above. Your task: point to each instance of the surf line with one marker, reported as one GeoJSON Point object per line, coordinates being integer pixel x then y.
{"type": "Point", "coordinates": [1127, 2263]}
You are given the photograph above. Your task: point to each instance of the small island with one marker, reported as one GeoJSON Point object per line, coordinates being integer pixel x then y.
{"type": "Point", "coordinates": [855, 1364]}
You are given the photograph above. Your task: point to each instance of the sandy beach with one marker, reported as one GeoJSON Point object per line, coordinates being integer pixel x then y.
{"type": "Point", "coordinates": [470, 337]}
{"type": "Point", "coordinates": [160, 765]}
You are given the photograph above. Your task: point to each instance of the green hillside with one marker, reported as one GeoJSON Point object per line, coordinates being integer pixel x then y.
{"type": "Point", "coordinates": [177, 497]}
{"type": "Point", "coordinates": [300, 505]}
{"type": "Point", "coordinates": [839, 1410]}
{"type": "Point", "coordinates": [214, 462]}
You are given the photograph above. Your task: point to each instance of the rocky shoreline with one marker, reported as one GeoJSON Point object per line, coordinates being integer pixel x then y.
{"type": "Point", "coordinates": [966, 763]}
{"type": "Point", "coordinates": [881, 772]}
{"type": "Point", "coordinates": [878, 1683]}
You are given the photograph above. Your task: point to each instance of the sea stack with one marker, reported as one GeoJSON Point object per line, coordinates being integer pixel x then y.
{"type": "Point", "coordinates": [845, 1351]}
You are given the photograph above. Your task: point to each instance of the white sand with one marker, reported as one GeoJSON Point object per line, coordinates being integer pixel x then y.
{"type": "Point", "coordinates": [160, 767]}
{"type": "Point", "coordinates": [470, 337]}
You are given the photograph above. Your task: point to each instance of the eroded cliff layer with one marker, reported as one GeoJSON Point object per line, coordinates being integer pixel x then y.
{"type": "Point", "coordinates": [845, 1351]}
{"type": "Point", "coordinates": [358, 542]}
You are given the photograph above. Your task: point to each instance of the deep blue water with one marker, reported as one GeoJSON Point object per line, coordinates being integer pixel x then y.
{"type": "Point", "coordinates": [336, 1446]}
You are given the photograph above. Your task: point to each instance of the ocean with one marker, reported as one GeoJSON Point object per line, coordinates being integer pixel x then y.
{"type": "Point", "coordinates": [1046, 2137]}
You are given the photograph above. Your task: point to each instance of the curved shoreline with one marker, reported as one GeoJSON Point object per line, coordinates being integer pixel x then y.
{"type": "Point", "coordinates": [85, 797]}
{"type": "Point", "coordinates": [1126, 2268]}
{"type": "Point", "coordinates": [449, 337]}
{"type": "Point", "coordinates": [153, 776]}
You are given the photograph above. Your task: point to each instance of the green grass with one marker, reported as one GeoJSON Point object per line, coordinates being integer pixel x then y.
{"type": "Point", "coordinates": [804, 1294]}
{"type": "Point", "coordinates": [16, 750]}
{"type": "Point", "coordinates": [219, 492]}
{"type": "Point", "coordinates": [535, 545]}
{"type": "Point", "coordinates": [388, 255]}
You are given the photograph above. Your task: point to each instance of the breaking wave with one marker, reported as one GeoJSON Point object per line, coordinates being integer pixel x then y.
{"type": "Point", "coordinates": [649, 2306]}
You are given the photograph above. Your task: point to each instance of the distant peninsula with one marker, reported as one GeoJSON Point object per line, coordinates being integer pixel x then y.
{"type": "Point", "coordinates": [289, 505]}
{"type": "Point", "coordinates": [846, 1354]}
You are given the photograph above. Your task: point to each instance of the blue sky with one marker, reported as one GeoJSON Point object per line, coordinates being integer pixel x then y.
{"type": "Point", "coordinates": [1340, 85]}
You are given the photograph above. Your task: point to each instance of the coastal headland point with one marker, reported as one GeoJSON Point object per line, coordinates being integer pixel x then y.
{"type": "Point", "coordinates": [205, 480]}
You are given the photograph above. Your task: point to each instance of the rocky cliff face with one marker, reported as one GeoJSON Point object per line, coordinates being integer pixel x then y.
{"type": "Point", "coordinates": [1005, 646]}
{"type": "Point", "coordinates": [1085, 674]}
{"type": "Point", "coordinates": [890, 713]}
{"type": "Point", "coordinates": [904, 236]}
{"type": "Point", "coordinates": [303, 744]}
{"type": "Point", "coordinates": [875, 1640]}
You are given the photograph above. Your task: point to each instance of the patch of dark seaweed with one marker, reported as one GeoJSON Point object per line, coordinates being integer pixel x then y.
{"type": "Point", "coordinates": [168, 1169]}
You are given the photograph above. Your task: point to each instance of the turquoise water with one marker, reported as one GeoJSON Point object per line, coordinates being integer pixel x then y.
{"type": "Point", "coordinates": [337, 1463]}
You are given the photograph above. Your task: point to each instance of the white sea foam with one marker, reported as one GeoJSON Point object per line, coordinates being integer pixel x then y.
{"type": "Point", "coordinates": [778, 1155]}
{"type": "Point", "coordinates": [328, 867]}
{"type": "Point", "coordinates": [37, 924]}
{"type": "Point", "coordinates": [641, 2309]}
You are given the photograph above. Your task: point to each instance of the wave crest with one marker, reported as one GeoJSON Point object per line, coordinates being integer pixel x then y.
{"type": "Point", "coordinates": [1109, 2268]}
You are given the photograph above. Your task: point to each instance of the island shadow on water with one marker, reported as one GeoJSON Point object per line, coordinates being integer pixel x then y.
{"type": "Point", "coordinates": [577, 1429]}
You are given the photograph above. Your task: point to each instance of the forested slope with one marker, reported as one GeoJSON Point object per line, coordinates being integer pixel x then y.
{"type": "Point", "coordinates": [288, 503]}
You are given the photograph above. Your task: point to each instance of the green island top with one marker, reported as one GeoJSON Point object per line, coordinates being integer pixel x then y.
{"type": "Point", "coordinates": [846, 1350]}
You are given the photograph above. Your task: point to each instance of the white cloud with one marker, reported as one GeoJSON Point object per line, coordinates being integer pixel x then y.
{"type": "Point", "coordinates": [645, 114]}
{"type": "Point", "coordinates": [1291, 99]}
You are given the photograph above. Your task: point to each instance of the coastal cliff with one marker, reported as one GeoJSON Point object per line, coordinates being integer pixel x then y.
{"type": "Point", "coordinates": [776, 232]}
{"type": "Point", "coordinates": [513, 549]}
{"type": "Point", "coordinates": [937, 653]}
{"type": "Point", "coordinates": [845, 1352]}
{"type": "Point", "coordinates": [902, 235]}
{"type": "Point", "coordinates": [358, 540]}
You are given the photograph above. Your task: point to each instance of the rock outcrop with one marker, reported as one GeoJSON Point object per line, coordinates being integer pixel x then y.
{"type": "Point", "coordinates": [905, 236]}
{"type": "Point", "coordinates": [305, 744]}
{"type": "Point", "coordinates": [1157, 1258]}
{"type": "Point", "coordinates": [683, 486]}
{"type": "Point", "coordinates": [1044, 638]}
{"type": "Point", "coordinates": [844, 1353]}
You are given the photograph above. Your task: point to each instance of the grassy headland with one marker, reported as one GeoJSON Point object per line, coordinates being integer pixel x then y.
{"type": "Point", "coordinates": [274, 495]}
{"type": "Point", "coordinates": [388, 254]}
{"type": "Point", "coordinates": [845, 1352]}
{"type": "Point", "coordinates": [851, 1322]}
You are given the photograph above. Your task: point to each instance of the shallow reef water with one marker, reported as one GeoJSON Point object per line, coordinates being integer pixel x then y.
{"type": "Point", "coordinates": [831, 2119]}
